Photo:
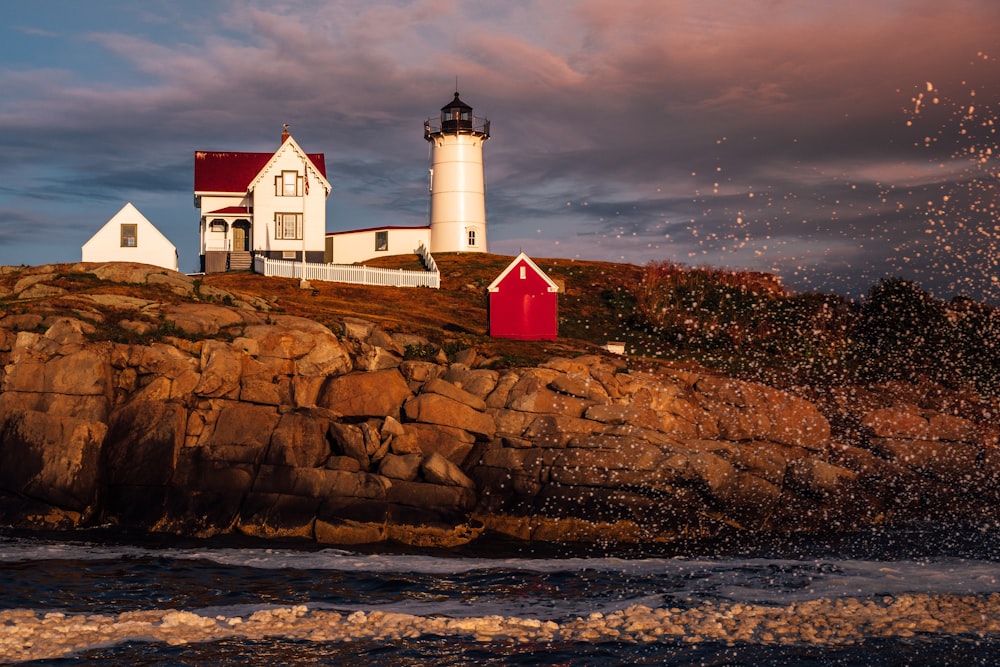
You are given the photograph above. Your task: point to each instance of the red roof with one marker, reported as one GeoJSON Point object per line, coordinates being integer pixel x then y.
{"type": "Point", "coordinates": [232, 210]}
{"type": "Point", "coordinates": [228, 171]}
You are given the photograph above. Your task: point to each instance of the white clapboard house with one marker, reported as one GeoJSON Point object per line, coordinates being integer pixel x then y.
{"type": "Point", "coordinates": [129, 237]}
{"type": "Point", "coordinates": [269, 204]}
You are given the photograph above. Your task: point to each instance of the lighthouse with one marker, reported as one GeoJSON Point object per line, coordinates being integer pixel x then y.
{"type": "Point", "coordinates": [457, 186]}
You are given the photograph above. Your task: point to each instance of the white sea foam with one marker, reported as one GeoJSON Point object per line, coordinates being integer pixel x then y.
{"type": "Point", "coordinates": [29, 635]}
{"type": "Point", "coordinates": [757, 600]}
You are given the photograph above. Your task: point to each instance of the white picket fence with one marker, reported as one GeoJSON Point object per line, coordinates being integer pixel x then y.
{"type": "Point", "coordinates": [357, 274]}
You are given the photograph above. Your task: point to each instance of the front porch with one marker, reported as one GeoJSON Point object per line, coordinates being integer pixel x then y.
{"type": "Point", "coordinates": [226, 241]}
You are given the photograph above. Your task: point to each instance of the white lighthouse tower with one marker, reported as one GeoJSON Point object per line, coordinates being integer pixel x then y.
{"type": "Point", "coordinates": [457, 185]}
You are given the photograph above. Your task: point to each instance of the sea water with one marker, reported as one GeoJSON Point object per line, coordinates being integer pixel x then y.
{"type": "Point", "coordinates": [925, 596]}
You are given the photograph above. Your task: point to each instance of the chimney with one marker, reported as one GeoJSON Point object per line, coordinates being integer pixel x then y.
{"type": "Point", "coordinates": [285, 134]}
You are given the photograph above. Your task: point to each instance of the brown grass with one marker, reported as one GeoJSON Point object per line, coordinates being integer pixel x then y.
{"type": "Point", "coordinates": [456, 314]}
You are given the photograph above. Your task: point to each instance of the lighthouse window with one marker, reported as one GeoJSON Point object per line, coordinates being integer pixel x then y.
{"type": "Point", "coordinates": [381, 241]}
{"type": "Point", "coordinates": [472, 237]}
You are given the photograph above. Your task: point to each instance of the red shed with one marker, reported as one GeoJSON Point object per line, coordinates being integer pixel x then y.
{"type": "Point", "coordinates": [523, 302]}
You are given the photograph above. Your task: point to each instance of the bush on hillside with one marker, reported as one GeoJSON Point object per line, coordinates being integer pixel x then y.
{"type": "Point", "coordinates": [744, 323]}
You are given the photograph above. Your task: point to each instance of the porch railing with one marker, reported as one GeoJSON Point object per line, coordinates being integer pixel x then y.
{"type": "Point", "coordinates": [213, 245]}
{"type": "Point", "coordinates": [357, 274]}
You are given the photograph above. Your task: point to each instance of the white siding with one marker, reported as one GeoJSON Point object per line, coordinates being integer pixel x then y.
{"type": "Point", "coordinates": [151, 247]}
{"type": "Point", "coordinates": [458, 193]}
{"type": "Point", "coordinates": [266, 203]}
{"type": "Point", "coordinates": [353, 247]}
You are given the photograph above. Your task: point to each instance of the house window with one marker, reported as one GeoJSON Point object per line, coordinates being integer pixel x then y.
{"type": "Point", "coordinates": [287, 226]}
{"type": "Point", "coordinates": [472, 237]}
{"type": "Point", "coordinates": [218, 226]}
{"type": "Point", "coordinates": [381, 241]}
{"type": "Point", "coordinates": [130, 236]}
{"type": "Point", "coordinates": [524, 272]}
{"type": "Point", "coordinates": [287, 185]}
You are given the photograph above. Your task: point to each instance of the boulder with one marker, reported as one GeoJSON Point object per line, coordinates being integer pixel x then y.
{"type": "Point", "coordinates": [896, 423]}
{"type": "Point", "coordinates": [453, 443]}
{"type": "Point", "coordinates": [221, 371]}
{"type": "Point", "coordinates": [405, 467]}
{"type": "Point", "coordinates": [298, 440]}
{"type": "Point", "coordinates": [437, 469]}
{"type": "Point", "coordinates": [349, 440]}
{"type": "Point", "coordinates": [438, 409]}
{"type": "Point", "coordinates": [374, 394]}
{"type": "Point", "coordinates": [449, 390]}
{"type": "Point", "coordinates": [581, 386]}
{"type": "Point", "coordinates": [201, 319]}
{"type": "Point", "coordinates": [241, 432]}
{"type": "Point", "coordinates": [50, 458]}
{"type": "Point", "coordinates": [143, 442]}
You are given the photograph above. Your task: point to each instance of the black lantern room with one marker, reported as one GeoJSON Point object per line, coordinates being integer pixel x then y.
{"type": "Point", "coordinates": [456, 116]}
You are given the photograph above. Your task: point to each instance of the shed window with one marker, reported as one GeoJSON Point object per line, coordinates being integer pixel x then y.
{"type": "Point", "coordinates": [130, 236]}
{"type": "Point", "coordinates": [381, 241]}
{"type": "Point", "coordinates": [524, 272]}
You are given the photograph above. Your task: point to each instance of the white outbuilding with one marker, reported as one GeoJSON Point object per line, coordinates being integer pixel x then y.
{"type": "Point", "coordinates": [129, 237]}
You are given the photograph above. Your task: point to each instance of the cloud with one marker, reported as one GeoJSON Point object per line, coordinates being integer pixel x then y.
{"type": "Point", "coordinates": [767, 135]}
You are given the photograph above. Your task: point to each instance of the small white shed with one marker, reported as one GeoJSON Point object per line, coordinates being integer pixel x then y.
{"type": "Point", "coordinates": [130, 237]}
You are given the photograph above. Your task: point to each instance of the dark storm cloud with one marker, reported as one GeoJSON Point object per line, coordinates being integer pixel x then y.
{"type": "Point", "coordinates": [769, 136]}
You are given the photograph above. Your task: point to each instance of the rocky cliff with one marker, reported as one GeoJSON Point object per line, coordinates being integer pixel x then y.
{"type": "Point", "coordinates": [195, 411]}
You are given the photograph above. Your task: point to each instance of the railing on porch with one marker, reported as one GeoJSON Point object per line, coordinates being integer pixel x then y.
{"type": "Point", "coordinates": [216, 245]}
{"type": "Point", "coordinates": [357, 274]}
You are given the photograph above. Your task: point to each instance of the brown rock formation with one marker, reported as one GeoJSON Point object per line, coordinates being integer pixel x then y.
{"type": "Point", "coordinates": [232, 418]}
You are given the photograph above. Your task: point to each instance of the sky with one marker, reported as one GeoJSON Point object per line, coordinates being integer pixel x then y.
{"type": "Point", "coordinates": [831, 143]}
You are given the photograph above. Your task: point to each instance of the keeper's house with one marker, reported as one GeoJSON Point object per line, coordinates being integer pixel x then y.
{"type": "Point", "coordinates": [271, 204]}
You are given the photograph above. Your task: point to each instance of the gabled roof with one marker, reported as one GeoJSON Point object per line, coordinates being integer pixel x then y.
{"type": "Point", "coordinates": [495, 285]}
{"type": "Point", "coordinates": [130, 214]}
{"type": "Point", "coordinates": [226, 171]}
{"type": "Point", "coordinates": [290, 144]}
{"type": "Point", "coordinates": [230, 171]}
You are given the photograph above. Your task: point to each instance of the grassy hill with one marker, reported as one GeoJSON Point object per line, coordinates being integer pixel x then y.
{"type": "Point", "coordinates": [456, 315]}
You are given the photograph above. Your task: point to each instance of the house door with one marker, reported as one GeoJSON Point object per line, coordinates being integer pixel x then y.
{"type": "Point", "coordinates": [241, 236]}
